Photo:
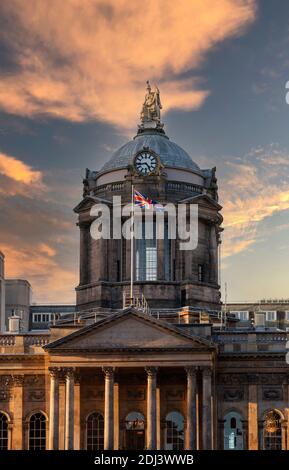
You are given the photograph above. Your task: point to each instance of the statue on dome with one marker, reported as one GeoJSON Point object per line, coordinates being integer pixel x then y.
{"type": "Point", "coordinates": [151, 107]}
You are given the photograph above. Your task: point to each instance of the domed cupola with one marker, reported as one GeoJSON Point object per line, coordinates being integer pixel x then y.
{"type": "Point", "coordinates": [151, 135]}
{"type": "Point", "coordinates": [153, 168]}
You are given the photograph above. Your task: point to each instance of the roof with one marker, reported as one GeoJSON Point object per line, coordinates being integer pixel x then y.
{"type": "Point", "coordinates": [130, 312]}
{"type": "Point", "coordinates": [171, 154]}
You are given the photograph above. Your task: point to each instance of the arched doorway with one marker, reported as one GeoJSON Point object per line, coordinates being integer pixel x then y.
{"type": "Point", "coordinates": [134, 431]}
{"type": "Point", "coordinates": [272, 431]}
{"type": "Point", "coordinates": [174, 437]}
{"type": "Point", "coordinates": [233, 431]}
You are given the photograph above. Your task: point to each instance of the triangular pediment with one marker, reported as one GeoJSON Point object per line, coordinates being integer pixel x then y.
{"type": "Point", "coordinates": [89, 201]}
{"type": "Point", "coordinates": [128, 330]}
{"type": "Point", "coordinates": [204, 200]}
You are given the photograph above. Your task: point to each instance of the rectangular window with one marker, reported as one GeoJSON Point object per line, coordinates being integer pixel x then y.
{"type": "Point", "coordinates": [146, 253]}
{"type": "Point", "coordinates": [271, 316]}
{"type": "Point", "coordinates": [287, 315]}
{"type": "Point", "coordinates": [41, 317]}
{"type": "Point", "coordinates": [200, 272]}
{"type": "Point", "coordinates": [242, 315]}
{"type": "Point", "coordinates": [118, 270]}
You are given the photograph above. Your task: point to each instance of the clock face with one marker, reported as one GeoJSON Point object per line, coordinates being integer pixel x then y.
{"type": "Point", "coordinates": [145, 163]}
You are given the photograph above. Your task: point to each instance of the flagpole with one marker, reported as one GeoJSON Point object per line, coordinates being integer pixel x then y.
{"type": "Point", "coordinates": [132, 245]}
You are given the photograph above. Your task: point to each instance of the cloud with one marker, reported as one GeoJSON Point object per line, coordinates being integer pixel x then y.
{"type": "Point", "coordinates": [37, 229]}
{"type": "Point", "coordinates": [254, 188]}
{"type": "Point", "coordinates": [89, 59]}
{"type": "Point", "coordinates": [51, 282]}
{"type": "Point", "coordinates": [19, 171]}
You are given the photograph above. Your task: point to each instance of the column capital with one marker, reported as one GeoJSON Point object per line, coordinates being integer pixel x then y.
{"type": "Point", "coordinates": [68, 373]}
{"type": "Point", "coordinates": [151, 371]}
{"type": "Point", "coordinates": [108, 372]}
{"type": "Point", "coordinates": [54, 372]}
{"type": "Point", "coordinates": [207, 371]}
{"type": "Point", "coordinates": [18, 380]}
{"type": "Point", "coordinates": [191, 371]}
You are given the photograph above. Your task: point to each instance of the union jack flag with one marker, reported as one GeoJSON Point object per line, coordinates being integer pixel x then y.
{"type": "Point", "coordinates": [145, 202]}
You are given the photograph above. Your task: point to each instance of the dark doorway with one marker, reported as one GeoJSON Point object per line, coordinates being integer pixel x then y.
{"type": "Point", "coordinates": [134, 439]}
{"type": "Point", "coordinates": [134, 431]}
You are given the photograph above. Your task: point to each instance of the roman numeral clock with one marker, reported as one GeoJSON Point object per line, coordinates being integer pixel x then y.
{"type": "Point", "coordinates": [146, 163]}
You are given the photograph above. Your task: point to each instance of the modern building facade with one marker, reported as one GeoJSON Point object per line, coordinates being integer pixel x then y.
{"type": "Point", "coordinates": [158, 367]}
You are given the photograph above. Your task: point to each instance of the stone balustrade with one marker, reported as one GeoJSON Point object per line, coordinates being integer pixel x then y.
{"type": "Point", "coordinates": [26, 343]}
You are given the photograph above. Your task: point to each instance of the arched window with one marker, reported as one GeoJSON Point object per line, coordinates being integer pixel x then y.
{"type": "Point", "coordinates": [3, 431]}
{"type": "Point", "coordinates": [95, 432]}
{"type": "Point", "coordinates": [272, 439]}
{"type": "Point", "coordinates": [37, 431]}
{"type": "Point", "coordinates": [174, 431]}
{"type": "Point", "coordinates": [233, 431]}
{"type": "Point", "coordinates": [134, 420]}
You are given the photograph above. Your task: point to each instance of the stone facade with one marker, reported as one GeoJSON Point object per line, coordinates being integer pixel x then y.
{"type": "Point", "coordinates": [130, 363]}
{"type": "Point", "coordinates": [169, 372]}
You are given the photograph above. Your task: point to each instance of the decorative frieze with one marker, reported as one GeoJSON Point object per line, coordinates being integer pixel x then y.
{"type": "Point", "coordinates": [36, 379]}
{"type": "Point", "coordinates": [5, 380]}
{"type": "Point", "coordinates": [36, 395]}
{"type": "Point", "coordinates": [4, 395]}
{"type": "Point", "coordinates": [272, 394]}
{"type": "Point", "coordinates": [233, 394]}
{"type": "Point", "coordinates": [248, 378]}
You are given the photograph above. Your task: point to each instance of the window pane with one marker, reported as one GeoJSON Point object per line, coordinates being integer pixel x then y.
{"type": "Point", "coordinates": [174, 431]}
{"type": "Point", "coordinates": [3, 432]}
{"type": "Point", "coordinates": [95, 432]}
{"type": "Point", "coordinates": [37, 432]}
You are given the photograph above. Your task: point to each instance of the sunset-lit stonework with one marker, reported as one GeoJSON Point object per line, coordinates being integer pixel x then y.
{"type": "Point", "coordinates": [167, 371]}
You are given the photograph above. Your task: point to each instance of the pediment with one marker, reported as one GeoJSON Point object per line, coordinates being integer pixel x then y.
{"type": "Point", "coordinates": [203, 200]}
{"type": "Point", "coordinates": [89, 201]}
{"type": "Point", "coordinates": [128, 331]}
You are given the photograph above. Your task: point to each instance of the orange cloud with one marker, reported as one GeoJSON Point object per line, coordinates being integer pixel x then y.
{"type": "Point", "coordinates": [50, 281]}
{"type": "Point", "coordinates": [89, 59]}
{"type": "Point", "coordinates": [19, 171]}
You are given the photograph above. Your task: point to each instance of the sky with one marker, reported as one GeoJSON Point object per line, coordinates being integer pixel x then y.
{"type": "Point", "coordinates": [72, 81]}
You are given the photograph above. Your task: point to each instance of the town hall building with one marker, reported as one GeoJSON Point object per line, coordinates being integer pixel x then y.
{"type": "Point", "coordinates": [153, 364]}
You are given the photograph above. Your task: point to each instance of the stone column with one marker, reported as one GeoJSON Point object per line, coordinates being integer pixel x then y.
{"type": "Point", "coordinates": [17, 438]}
{"type": "Point", "coordinates": [191, 408]}
{"type": "Point", "coordinates": [213, 254]}
{"type": "Point", "coordinates": [61, 388]}
{"type": "Point", "coordinates": [53, 442]}
{"type": "Point", "coordinates": [116, 415]}
{"type": "Point", "coordinates": [151, 408]}
{"type": "Point", "coordinates": [207, 409]}
{"type": "Point", "coordinates": [252, 417]}
{"type": "Point", "coordinates": [159, 434]}
{"type": "Point", "coordinates": [77, 423]}
{"type": "Point", "coordinates": [108, 408]}
{"type": "Point", "coordinates": [69, 408]}
{"type": "Point", "coordinates": [84, 266]}
{"type": "Point", "coordinates": [160, 260]}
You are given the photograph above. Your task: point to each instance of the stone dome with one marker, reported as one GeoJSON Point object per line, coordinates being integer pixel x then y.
{"type": "Point", "coordinates": [171, 154]}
